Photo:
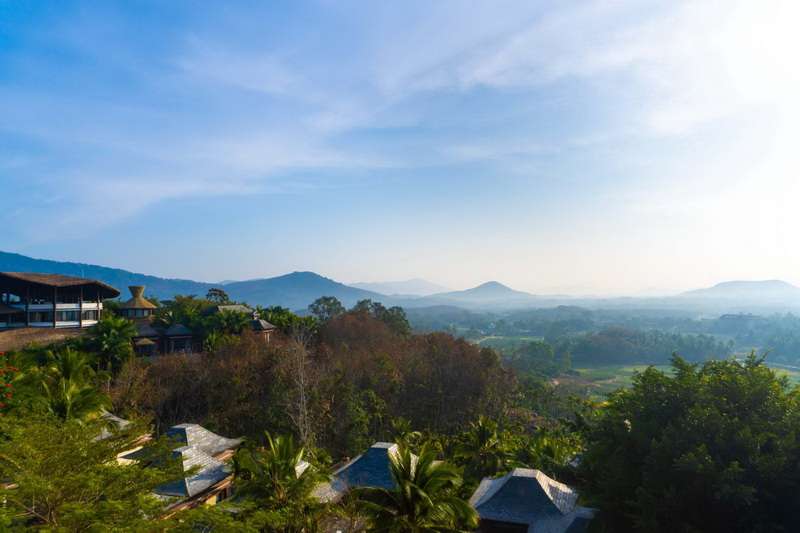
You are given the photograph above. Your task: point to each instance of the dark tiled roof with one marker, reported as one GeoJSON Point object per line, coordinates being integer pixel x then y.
{"type": "Point", "coordinates": [370, 469]}
{"type": "Point", "coordinates": [261, 325]}
{"type": "Point", "coordinates": [199, 437]}
{"type": "Point", "coordinates": [529, 497]}
{"type": "Point", "coordinates": [59, 280]}
{"type": "Point", "coordinates": [178, 330]}
{"type": "Point", "coordinates": [145, 329]}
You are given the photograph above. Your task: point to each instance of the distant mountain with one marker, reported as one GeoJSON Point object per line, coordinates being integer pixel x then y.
{"type": "Point", "coordinates": [411, 287]}
{"type": "Point", "coordinates": [765, 291]}
{"type": "Point", "coordinates": [294, 291]}
{"type": "Point", "coordinates": [491, 294]}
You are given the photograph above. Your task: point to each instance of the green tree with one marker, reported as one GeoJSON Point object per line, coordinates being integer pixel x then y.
{"type": "Point", "coordinates": [287, 322]}
{"type": "Point", "coordinates": [482, 450]}
{"type": "Point", "coordinates": [59, 475]}
{"type": "Point", "coordinates": [325, 308]}
{"type": "Point", "coordinates": [277, 479]}
{"type": "Point", "coordinates": [705, 448]}
{"type": "Point", "coordinates": [228, 322]}
{"type": "Point", "coordinates": [218, 296]}
{"type": "Point", "coordinates": [66, 386]}
{"type": "Point", "coordinates": [537, 358]}
{"type": "Point", "coordinates": [425, 498]}
{"type": "Point", "coordinates": [111, 340]}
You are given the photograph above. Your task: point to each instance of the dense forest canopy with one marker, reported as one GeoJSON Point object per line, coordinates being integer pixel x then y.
{"type": "Point", "coordinates": [715, 441]}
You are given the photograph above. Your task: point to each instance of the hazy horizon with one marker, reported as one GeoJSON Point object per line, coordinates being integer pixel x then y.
{"type": "Point", "coordinates": [584, 148]}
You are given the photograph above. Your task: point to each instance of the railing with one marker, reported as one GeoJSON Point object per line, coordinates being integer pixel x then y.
{"type": "Point", "coordinates": [87, 306]}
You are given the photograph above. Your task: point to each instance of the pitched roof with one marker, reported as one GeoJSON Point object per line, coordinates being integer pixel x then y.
{"type": "Point", "coordinates": [59, 280]}
{"type": "Point", "coordinates": [138, 301]}
{"type": "Point", "coordinates": [259, 324]}
{"type": "Point", "coordinates": [145, 329]}
{"type": "Point", "coordinates": [197, 436]}
{"type": "Point", "coordinates": [370, 469]}
{"type": "Point", "coordinates": [529, 497]}
{"type": "Point", "coordinates": [208, 472]}
{"type": "Point", "coordinates": [230, 308]}
{"type": "Point", "coordinates": [178, 330]}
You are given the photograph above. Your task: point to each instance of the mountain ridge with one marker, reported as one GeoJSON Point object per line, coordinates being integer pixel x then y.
{"type": "Point", "coordinates": [407, 288]}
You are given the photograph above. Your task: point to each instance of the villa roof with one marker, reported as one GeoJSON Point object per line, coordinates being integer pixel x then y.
{"type": "Point", "coordinates": [197, 436]}
{"type": "Point", "coordinates": [370, 469]}
{"type": "Point", "coordinates": [138, 301]}
{"type": "Point", "coordinates": [529, 497]}
{"type": "Point", "coordinates": [112, 422]}
{"type": "Point", "coordinates": [58, 281]}
{"type": "Point", "coordinates": [209, 472]}
{"type": "Point", "coordinates": [178, 330]}
{"type": "Point", "coordinates": [145, 329]}
{"type": "Point", "coordinates": [199, 450]}
{"type": "Point", "coordinates": [144, 341]}
{"type": "Point", "coordinates": [230, 308]}
{"type": "Point", "coordinates": [258, 324]}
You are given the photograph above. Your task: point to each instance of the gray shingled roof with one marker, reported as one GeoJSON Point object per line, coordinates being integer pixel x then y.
{"type": "Point", "coordinates": [198, 446]}
{"type": "Point", "coordinates": [207, 472]}
{"type": "Point", "coordinates": [258, 324]}
{"type": "Point", "coordinates": [230, 308]}
{"type": "Point", "coordinates": [370, 469]}
{"type": "Point", "coordinates": [528, 497]}
{"type": "Point", "coordinates": [199, 437]}
{"type": "Point", "coordinates": [113, 422]}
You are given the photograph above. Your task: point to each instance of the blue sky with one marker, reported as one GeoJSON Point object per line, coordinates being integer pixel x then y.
{"type": "Point", "coordinates": [580, 147]}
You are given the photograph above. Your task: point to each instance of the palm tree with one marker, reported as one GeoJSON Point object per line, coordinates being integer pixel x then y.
{"type": "Point", "coordinates": [68, 391]}
{"type": "Point", "coordinates": [111, 339]}
{"type": "Point", "coordinates": [424, 499]}
{"type": "Point", "coordinates": [276, 475]}
{"type": "Point", "coordinates": [482, 450]}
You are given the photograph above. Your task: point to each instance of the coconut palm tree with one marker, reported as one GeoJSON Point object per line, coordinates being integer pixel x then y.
{"type": "Point", "coordinates": [482, 450]}
{"type": "Point", "coordinates": [276, 474]}
{"type": "Point", "coordinates": [66, 382]}
{"type": "Point", "coordinates": [111, 340]}
{"type": "Point", "coordinates": [425, 497]}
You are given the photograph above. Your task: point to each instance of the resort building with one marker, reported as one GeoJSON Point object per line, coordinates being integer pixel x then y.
{"type": "Point", "coordinates": [150, 340]}
{"type": "Point", "coordinates": [527, 501]}
{"type": "Point", "coordinates": [51, 300]}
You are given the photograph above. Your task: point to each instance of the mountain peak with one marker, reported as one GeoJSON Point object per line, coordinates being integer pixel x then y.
{"type": "Point", "coordinates": [493, 286]}
{"type": "Point", "coordinates": [773, 289]}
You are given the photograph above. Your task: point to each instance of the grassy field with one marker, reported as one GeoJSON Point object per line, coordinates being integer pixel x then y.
{"type": "Point", "coordinates": [793, 375]}
{"type": "Point", "coordinates": [599, 381]}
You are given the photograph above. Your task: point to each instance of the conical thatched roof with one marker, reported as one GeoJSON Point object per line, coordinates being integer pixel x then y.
{"type": "Point", "coordinates": [138, 301]}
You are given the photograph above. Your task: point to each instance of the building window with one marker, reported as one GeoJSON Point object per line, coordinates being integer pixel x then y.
{"type": "Point", "coordinates": [67, 316]}
{"type": "Point", "coordinates": [89, 315]}
{"type": "Point", "coordinates": [41, 316]}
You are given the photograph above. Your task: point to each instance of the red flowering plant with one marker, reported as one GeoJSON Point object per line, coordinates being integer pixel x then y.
{"type": "Point", "coordinates": [7, 372]}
